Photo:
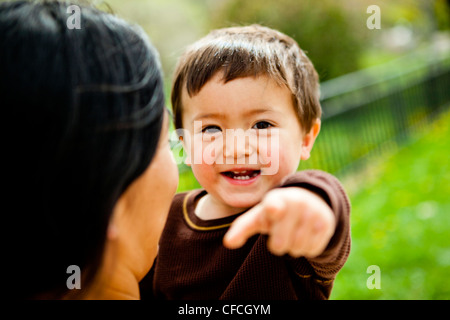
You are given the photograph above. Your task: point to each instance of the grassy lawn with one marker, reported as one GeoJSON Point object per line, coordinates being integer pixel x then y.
{"type": "Point", "coordinates": [401, 223]}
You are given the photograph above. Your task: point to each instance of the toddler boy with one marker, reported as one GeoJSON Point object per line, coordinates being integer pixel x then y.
{"type": "Point", "coordinates": [247, 99]}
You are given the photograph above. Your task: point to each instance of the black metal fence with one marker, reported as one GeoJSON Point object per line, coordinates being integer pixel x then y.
{"type": "Point", "coordinates": [366, 112]}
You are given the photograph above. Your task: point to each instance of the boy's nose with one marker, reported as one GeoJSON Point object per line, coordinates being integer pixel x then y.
{"type": "Point", "coordinates": [237, 144]}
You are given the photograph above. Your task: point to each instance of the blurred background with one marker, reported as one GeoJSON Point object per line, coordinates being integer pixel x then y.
{"type": "Point", "coordinates": [385, 132]}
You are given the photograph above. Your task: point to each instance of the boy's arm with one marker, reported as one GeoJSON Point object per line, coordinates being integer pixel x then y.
{"type": "Point", "coordinates": [331, 260]}
{"type": "Point", "coordinates": [325, 249]}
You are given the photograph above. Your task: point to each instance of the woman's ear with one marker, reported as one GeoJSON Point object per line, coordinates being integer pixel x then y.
{"type": "Point", "coordinates": [309, 139]}
{"type": "Point", "coordinates": [112, 233]}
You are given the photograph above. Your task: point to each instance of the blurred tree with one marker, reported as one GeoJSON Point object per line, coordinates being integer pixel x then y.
{"type": "Point", "coordinates": [442, 11]}
{"type": "Point", "coordinates": [331, 35]}
{"type": "Point", "coordinates": [170, 24]}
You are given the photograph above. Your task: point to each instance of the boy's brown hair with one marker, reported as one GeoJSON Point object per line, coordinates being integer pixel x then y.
{"type": "Point", "coordinates": [244, 52]}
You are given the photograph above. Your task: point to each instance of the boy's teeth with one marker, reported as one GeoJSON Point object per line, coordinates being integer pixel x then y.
{"type": "Point", "coordinates": [241, 177]}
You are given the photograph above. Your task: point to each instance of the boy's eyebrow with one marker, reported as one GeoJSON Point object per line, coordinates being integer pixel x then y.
{"type": "Point", "coordinates": [223, 115]}
{"type": "Point", "coordinates": [261, 110]}
{"type": "Point", "coordinates": [209, 115]}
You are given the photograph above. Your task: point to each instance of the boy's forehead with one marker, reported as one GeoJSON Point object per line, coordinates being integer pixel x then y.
{"type": "Point", "coordinates": [245, 96]}
{"type": "Point", "coordinates": [241, 87]}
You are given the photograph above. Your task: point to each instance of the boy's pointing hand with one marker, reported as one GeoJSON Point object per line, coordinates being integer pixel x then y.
{"type": "Point", "coordinates": [297, 221]}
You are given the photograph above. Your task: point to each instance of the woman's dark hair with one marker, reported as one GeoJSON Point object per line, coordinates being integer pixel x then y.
{"type": "Point", "coordinates": [85, 109]}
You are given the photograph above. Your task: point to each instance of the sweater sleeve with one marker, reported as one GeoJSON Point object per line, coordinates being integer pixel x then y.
{"type": "Point", "coordinates": [326, 266]}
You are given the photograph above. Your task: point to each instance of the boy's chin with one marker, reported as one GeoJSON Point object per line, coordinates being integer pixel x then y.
{"type": "Point", "coordinates": [242, 201]}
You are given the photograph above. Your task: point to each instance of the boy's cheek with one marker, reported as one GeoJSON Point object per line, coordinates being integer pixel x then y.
{"type": "Point", "coordinates": [288, 165]}
{"type": "Point", "coordinates": [204, 173]}
{"type": "Point", "coordinates": [269, 153]}
{"type": "Point", "coordinates": [210, 153]}
{"type": "Point", "coordinates": [204, 151]}
{"type": "Point", "coordinates": [279, 161]}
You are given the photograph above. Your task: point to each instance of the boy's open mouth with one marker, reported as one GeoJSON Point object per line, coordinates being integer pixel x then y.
{"type": "Point", "coordinates": [242, 175]}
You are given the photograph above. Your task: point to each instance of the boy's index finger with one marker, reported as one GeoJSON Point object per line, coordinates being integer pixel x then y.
{"type": "Point", "coordinates": [250, 223]}
{"type": "Point", "coordinates": [274, 206]}
{"type": "Point", "coordinates": [256, 220]}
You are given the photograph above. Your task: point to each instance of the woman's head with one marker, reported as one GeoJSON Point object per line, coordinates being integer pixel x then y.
{"type": "Point", "coordinates": [87, 111]}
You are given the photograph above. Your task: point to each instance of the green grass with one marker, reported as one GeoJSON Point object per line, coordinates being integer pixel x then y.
{"type": "Point", "coordinates": [401, 223]}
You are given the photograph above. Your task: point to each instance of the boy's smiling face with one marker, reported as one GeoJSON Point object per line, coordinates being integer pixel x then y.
{"type": "Point", "coordinates": [238, 174]}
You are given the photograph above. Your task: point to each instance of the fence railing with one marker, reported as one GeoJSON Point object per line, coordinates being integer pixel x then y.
{"type": "Point", "coordinates": [365, 112]}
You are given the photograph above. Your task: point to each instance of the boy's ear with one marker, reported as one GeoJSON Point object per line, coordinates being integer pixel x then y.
{"type": "Point", "coordinates": [309, 139]}
{"type": "Point", "coordinates": [187, 161]}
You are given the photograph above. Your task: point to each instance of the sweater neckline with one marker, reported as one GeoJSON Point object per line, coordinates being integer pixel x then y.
{"type": "Point", "coordinates": [189, 204]}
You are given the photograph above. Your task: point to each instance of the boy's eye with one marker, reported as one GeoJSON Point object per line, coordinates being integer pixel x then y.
{"type": "Point", "coordinates": [211, 129]}
{"type": "Point", "coordinates": [262, 125]}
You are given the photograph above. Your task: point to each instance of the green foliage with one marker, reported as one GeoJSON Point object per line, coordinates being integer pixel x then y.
{"type": "Point", "coordinates": [442, 10]}
{"type": "Point", "coordinates": [400, 222]}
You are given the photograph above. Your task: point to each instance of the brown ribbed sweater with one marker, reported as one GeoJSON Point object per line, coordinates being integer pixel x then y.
{"type": "Point", "coordinates": [192, 262]}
